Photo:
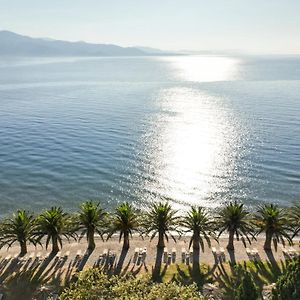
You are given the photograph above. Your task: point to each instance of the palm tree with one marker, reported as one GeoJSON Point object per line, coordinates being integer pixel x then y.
{"type": "Point", "coordinates": [54, 224]}
{"type": "Point", "coordinates": [91, 220]}
{"type": "Point", "coordinates": [198, 221]}
{"type": "Point", "coordinates": [274, 223]}
{"type": "Point", "coordinates": [234, 219]}
{"type": "Point", "coordinates": [18, 229]}
{"type": "Point", "coordinates": [161, 219]}
{"type": "Point", "coordinates": [294, 218]}
{"type": "Point", "coordinates": [124, 220]}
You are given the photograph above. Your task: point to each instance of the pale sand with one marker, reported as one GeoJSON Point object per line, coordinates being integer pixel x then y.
{"type": "Point", "coordinates": [37, 255]}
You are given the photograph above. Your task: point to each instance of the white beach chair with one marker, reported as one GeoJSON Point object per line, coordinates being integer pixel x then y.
{"type": "Point", "coordinates": [144, 254]}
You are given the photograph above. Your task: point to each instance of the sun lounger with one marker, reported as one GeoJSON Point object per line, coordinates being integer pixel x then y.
{"type": "Point", "coordinates": [183, 254]}
{"type": "Point", "coordinates": [135, 255]}
{"type": "Point", "coordinates": [144, 254]}
{"type": "Point", "coordinates": [165, 256]}
{"type": "Point", "coordinates": [187, 260]}
{"type": "Point", "coordinates": [191, 256]}
{"type": "Point", "coordinates": [173, 255]}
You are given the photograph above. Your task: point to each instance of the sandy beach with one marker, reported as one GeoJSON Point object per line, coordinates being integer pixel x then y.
{"type": "Point", "coordinates": [73, 255]}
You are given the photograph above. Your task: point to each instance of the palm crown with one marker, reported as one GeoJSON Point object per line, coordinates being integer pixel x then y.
{"type": "Point", "coordinates": [273, 222]}
{"type": "Point", "coordinates": [124, 220]}
{"type": "Point", "coordinates": [294, 218]}
{"type": "Point", "coordinates": [234, 219]}
{"type": "Point", "coordinates": [91, 220]}
{"type": "Point", "coordinates": [54, 224]}
{"type": "Point", "coordinates": [161, 219]}
{"type": "Point", "coordinates": [198, 221]}
{"type": "Point", "coordinates": [18, 229]}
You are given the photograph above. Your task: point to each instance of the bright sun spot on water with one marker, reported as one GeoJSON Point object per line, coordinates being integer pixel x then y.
{"type": "Point", "coordinates": [192, 153]}
{"type": "Point", "coordinates": [204, 68]}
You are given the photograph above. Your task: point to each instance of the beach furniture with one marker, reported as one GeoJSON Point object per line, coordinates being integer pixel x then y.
{"type": "Point", "coordinates": [183, 254]}
{"type": "Point", "coordinates": [187, 259]}
{"type": "Point", "coordinates": [165, 255]}
{"type": "Point", "coordinates": [135, 255]}
{"type": "Point", "coordinates": [222, 254]}
{"type": "Point", "coordinates": [173, 255]}
{"type": "Point", "coordinates": [286, 253]}
{"type": "Point", "coordinates": [191, 256]}
{"type": "Point", "coordinates": [144, 254]}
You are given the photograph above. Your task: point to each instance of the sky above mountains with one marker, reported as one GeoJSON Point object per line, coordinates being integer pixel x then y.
{"type": "Point", "coordinates": [250, 26]}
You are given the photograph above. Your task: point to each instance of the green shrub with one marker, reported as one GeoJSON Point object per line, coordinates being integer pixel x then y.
{"type": "Point", "coordinates": [94, 285]}
{"type": "Point", "coordinates": [288, 285]}
{"type": "Point", "coordinates": [246, 289]}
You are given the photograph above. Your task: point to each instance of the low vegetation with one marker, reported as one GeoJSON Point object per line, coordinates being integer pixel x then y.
{"type": "Point", "coordinates": [94, 285]}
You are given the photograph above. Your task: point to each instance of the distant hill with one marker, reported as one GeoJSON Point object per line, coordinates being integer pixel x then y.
{"type": "Point", "coordinates": [14, 44]}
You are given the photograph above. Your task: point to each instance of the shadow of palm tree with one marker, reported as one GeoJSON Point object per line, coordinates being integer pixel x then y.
{"type": "Point", "coordinates": [156, 273]}
{"type": "Point", "coordinates": [232, 257]}
{"type": "Point", "coordinates": [121, 260]}
{"type": "Point", "coordinates": [83, 261]}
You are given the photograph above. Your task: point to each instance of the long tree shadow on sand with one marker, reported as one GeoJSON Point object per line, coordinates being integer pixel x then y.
{"type": "Point", "coordinates": [121, 260]}
{"type": "Point", "coordinates": [157, 273]}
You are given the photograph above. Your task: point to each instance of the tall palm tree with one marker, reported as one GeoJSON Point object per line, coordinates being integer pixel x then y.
{"type": "Point", "coordinates": [18, 229]}
{"type": "Point", "coordinates": [294, 218]}
{"type": "Point", "coordinates": [273, 221]}
{"type": "Point", "coordinates": [91, 220]}
{"type": "Point", "coordinates": [234, 219]}
{"type": "Point", "coordinates": [161, 219]}
{"type": "Point", "coordinates": [124, 220]}
{"type": "Point", "coordinates": [198, 221]}
{"type": "Point", "coordinates": [54, 224]}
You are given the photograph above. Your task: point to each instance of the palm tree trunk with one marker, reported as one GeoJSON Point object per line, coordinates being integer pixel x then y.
{"type": "Point", "coordinates": [91, 239]}
{"type": "Point", "coordinates": [196, 248]}
{"type": "Point", "coordinates": [55, 247]}
{"type": "Point", "coordinates": [268, 241]}
{"type": "Point", "coordinates": [161, 241]}
{"type": "Point", "coordinates": [230, 245]}
{"type": "Point", "coordinates": [23, 248]}
{"type": "Point", "coordinates": [126, 241]}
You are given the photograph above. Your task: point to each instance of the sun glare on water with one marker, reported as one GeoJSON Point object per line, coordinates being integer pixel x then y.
{"type": "Point", "coordinates": [190, 147]}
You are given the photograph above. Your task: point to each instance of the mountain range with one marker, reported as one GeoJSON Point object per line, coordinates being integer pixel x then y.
{"type": "Point", "coordinates": [13, 44]}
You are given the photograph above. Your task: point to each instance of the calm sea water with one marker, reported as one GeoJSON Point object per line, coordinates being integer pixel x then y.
{"type": "Point", "coordinates": [193, 129]}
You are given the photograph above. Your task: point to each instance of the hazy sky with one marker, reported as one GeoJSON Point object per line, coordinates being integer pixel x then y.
{"type": "Point", "coordinates": [255, 26]}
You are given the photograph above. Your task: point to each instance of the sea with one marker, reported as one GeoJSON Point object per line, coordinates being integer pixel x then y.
{"type": "Point", "coordinates": [188, 129]}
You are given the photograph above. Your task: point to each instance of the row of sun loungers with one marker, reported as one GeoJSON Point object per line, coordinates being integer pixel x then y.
{"type": "Point", "coordinates": [289, 252]}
